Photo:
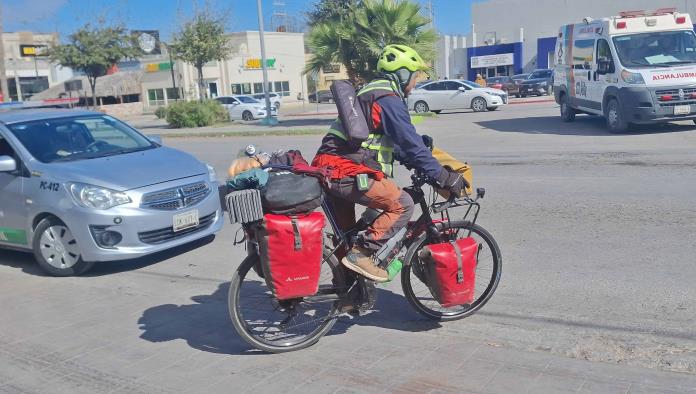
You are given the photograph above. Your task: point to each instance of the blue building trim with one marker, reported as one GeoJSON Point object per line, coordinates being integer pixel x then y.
{"type": "Point", "coordinates": [514, 48]}
{"type": "Point", "coordinates": [544, 46]}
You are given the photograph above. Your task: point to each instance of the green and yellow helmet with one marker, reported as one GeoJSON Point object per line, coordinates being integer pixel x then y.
{"type": "Point", "coordinates": [395, 57]}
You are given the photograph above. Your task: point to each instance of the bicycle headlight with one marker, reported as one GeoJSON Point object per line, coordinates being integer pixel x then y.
{"type": "Point", "coordinates": [97, 197]}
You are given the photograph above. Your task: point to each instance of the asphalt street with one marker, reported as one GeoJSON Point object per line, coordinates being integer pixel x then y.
{"type": "Point", "coordinates": [597, 230]}
{"type": "Point", "coordinates": [598, 237]}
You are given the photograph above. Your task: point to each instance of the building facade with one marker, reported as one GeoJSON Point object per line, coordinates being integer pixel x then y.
{"type": "Point", "coordinates": [240, 73]}
{"type": "Point", "coordinates": [26, 70]}
{"type": "Point", "coordinates": [514, 36]}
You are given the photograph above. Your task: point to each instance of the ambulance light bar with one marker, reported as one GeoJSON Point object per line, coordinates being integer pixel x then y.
{"type": "Point", "coordinates": [39, 103]}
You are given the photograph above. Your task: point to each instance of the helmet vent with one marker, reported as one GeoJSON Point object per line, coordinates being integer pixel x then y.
{"type": "Point", "coordinates": [391, 57]}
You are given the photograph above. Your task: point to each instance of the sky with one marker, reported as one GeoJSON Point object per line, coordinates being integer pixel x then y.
{"type": "Point", "coordinates": [64, 16]}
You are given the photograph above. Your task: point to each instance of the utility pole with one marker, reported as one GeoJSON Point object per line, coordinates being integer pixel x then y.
{"type": "Point", "coordinates": [3, 75]}
{"type": "Point", "coordinates": [269, 120]}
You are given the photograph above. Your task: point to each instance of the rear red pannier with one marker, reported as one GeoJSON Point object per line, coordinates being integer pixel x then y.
{"type": "Point", "coordinates": [450, 270]}
{"type": "Point", "coordinates": [291, 253]}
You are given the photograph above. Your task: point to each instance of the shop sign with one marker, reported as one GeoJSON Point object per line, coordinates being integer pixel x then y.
{"type": "Point", "coordinates": [32, 50]}
{"type": "Point", "coordinates": [255, 64]}
{"type": "Point", "coordinates": [503, 59]}
{"type": "Point", "coordinates": [154, 67]}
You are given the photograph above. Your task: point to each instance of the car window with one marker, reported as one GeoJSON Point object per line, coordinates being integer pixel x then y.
{"type": "Point", "coordinates": [78, 138]}
{"type": "Point", "coordinates": [224, 100]}
{"type": "Point", "coordinates": [452, 85]}
{"type": "Point", "coordinates": [5, 148]}
{"type": "Point", "coordinates": [232, 100]}
{"type": "Point", "coordinates": [471, 84]}
{"type": "Point", "coordinates": [435, 86]}
{"type": "Point", "coordinates": [541, 74]}
{"type": "Point", "coordinates": [246, 100]}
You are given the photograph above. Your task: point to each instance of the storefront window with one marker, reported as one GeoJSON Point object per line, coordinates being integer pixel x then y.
{"type": "Point", "coordinates": [282, 88]}
{"type": "Point", "coordinates": [258, 87]}
{"type": "Point", "coordinates": [155, 97]}
{"type": "Point", "coordinates": [241, 88]}
{"type": "Point", "coordinates": [173, 94]}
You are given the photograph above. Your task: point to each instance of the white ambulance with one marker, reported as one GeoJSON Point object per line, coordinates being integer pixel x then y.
{"type": "Point", "coordinates": [638, 67]}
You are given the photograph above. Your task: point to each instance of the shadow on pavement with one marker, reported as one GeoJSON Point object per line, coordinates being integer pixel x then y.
{"type": "Point", "coordinates": [25, 260]}
{"type": "Point", "coordinates": [20, 260]}
{"type": "Point", "coordinates": [584, 125]}
{"type": "Point", "coordinates": [205, 324]}
{"type": "Point", "coordinates": [113, 267]}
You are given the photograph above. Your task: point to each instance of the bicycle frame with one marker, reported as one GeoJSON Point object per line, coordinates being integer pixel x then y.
{"type": "Point", "coordinates": [424, 223]}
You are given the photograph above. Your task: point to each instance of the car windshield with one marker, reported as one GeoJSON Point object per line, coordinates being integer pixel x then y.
{"type": "Point", "coordinates": [495, 80]}
{"type": "Point", "coordinates": [471, 84]}
{"type": "Point", "coordinates": [247, 100]}
{"type": "Point", "coordinates": [656, 49]}
{"type": "Point", "coordinates": [540, 74]}
{"type": "Point", "coordinates": [78, 138]}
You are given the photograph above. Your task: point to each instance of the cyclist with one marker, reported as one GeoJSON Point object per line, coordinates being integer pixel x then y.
{"type": "Point", "coordinates": [359, 174]}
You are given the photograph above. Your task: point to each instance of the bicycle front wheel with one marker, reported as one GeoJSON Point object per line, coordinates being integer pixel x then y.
{"type": "Point", "coordinates": [278, 326]}
{"type": "Point", "coordinates": [488, 269]}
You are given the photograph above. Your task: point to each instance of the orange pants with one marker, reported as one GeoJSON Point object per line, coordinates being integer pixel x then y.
{"type": "Point", "coordinates": [396, 206]}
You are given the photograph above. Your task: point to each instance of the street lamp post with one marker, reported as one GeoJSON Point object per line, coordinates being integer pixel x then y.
{"type": "Point", "coordinates": [269, 120]}
{"type": "Point", "coordinates": [3, 77]}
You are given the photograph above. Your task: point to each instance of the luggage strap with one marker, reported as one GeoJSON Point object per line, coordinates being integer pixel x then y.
{"type": "Point", "coordinates": [296, 233]}
{"type": "Point", "coordinates": [458, 252]}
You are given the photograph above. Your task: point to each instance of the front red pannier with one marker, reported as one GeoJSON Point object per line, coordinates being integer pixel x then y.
{"type": "Point", "coordinates": [291, 253]}
{"type": "Point", "coordinates": [450, 269]}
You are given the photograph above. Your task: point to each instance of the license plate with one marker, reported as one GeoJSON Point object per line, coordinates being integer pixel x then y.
{"type": "Point", "coordinates": [185, 220]}
{"type": "Point", "coordinates": [682, 109]}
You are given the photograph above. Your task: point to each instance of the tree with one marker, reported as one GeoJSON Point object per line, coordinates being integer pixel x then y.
{"type": "Point", "coordinates": [329, 11]}
{"type": "Point", "coordinates": [93, 50]}
{"type": "Point", "coordinates": [199, 41]}
{"type": "Point", "coordinates": [356, 38]}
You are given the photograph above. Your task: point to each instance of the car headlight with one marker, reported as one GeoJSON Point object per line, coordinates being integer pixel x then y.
{"type": "Point", "coordinates": [212, 176]}
{"type": "Point", "coordinates": [97, 197]}
{"type": "Point", "coordinates": [543, 83]}
{"type": "Point", "coordinates": [632, 78]}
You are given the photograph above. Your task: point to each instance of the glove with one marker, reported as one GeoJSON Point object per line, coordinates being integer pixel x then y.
{"type": "Point", "coordinates": [452, 181]}
{"type": "Point", "coordinates": [427, 141]}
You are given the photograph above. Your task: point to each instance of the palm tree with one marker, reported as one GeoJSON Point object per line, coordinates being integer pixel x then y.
{"type": "Point", "coordinates": [356, 38]}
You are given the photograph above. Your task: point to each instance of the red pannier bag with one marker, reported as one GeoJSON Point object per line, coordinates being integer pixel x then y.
{"type": "Point", "coordinates": [450, 271]}
{"type": "Point", "coordinates": [291, 253]}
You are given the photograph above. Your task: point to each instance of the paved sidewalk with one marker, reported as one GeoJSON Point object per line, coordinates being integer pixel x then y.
{"type": "Point", "coordinates": [158, 328]}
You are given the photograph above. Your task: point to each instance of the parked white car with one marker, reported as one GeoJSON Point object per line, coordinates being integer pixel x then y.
{"type": "Point", "coordinates": [455, 94]}
{"type": "Point", "coordinates": [245, 107]}
{"type": "Point", "coordinates": [274, 97]}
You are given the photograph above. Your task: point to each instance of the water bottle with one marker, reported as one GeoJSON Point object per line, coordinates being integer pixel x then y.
{"type": "Point", "coordinates": [394, 268]}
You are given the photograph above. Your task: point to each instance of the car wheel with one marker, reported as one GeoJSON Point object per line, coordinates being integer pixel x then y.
{"type": "Point", "coordinates": [492, 108]}
{"type": "Point", "coordinates": [523, 95]}
{"type": "Point", "coordinates": [567, 113]}
{"type": "Point", "coordinates": [421, 107]}
{"type": "Point", "coordinates": [517, 95]}
{"type": "Point", "coordinates": [614, 117]}
{"type": "Point", "coordinates": [478, 104]}
{"type": "Point", "coordinates": [56, 250]}
{"type": "Point", "coordinates": [247, 116]}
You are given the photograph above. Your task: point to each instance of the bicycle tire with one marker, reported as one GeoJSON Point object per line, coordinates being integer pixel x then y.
{"type": "Point", "coordinates": [449, 314]}
{"type": "Point", "coordinates": [241, 326]}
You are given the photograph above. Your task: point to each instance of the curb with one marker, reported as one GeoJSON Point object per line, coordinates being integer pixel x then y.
{"type": "Point", "coordinates": [246, 133]}
{"type": "Point", "coordinates": [531, 101]}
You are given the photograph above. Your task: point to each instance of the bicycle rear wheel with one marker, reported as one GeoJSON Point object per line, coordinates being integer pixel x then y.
{"type": "Point", "coordinates": [488, 270]}
{"type": "Point", "coordinates": [275, 326]}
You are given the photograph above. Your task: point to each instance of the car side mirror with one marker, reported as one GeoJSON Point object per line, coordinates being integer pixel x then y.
{"type": "Point", "coordinates": [462, 89]}
{"type": "Point", "coordinates": [7, 164]}
{"type": "Point", "coordinates": [604, 66]}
